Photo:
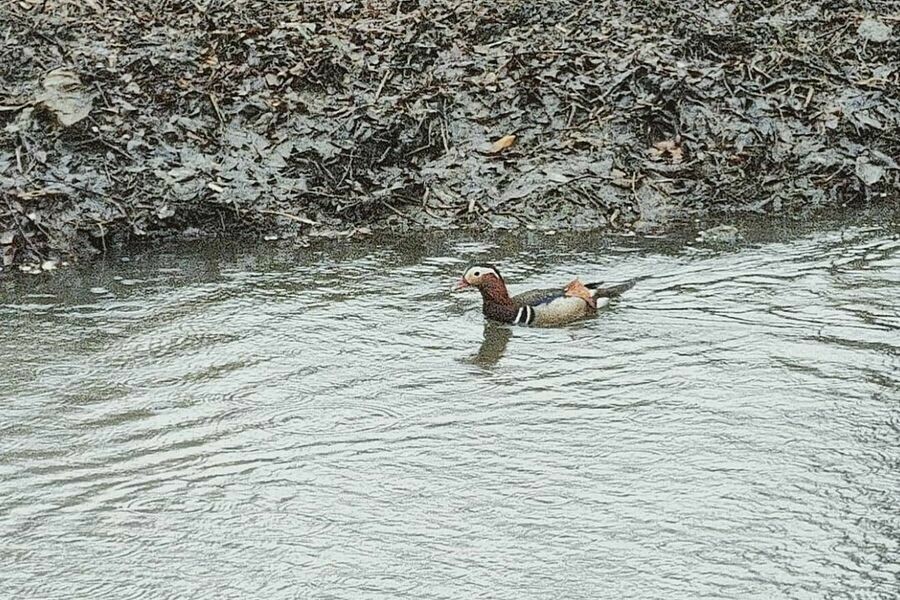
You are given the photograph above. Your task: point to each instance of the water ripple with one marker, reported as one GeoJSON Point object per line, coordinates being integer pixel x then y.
{"type": "Point", "coordinates": [332, 423]}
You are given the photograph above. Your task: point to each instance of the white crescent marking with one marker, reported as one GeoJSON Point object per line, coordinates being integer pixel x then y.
{"type": "Point", "coordinates": [519, 315]}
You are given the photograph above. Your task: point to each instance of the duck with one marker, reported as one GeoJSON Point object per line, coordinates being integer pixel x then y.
{"type": "Point", "coordinates": [546, 307]}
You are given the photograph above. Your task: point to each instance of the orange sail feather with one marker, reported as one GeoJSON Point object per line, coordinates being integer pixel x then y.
{"type": "Point", "coordinates": [576, 289]}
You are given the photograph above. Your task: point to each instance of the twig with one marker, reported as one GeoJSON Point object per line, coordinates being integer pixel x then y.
{"type": "Point", "coordinates": [381, 85]}
{"type": "Point", "coordinates": [400, 214]}
{"type": "Point", "coordinates": [102, 236]}
{"type": "Point", "coordinates": [103, 95]}
{"type": "Point", "coordinates": [215, 105]}
{"type": "Point", "coordinates": [286, 215]}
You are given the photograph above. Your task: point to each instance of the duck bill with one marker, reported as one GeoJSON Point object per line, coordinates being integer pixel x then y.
{"type": "Point", "coordinates": [461, 285]}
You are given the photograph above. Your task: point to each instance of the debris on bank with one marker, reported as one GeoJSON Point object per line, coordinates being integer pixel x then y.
{"type": "Point", "coordinates": [121, 120]}
{"type": "Point", "coordinates": [727, 235]}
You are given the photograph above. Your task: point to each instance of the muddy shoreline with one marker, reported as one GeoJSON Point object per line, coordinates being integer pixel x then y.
{"type": "Point", "coordinates": [144, 120]}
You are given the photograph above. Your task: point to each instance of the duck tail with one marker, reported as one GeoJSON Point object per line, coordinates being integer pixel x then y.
{"type": "Point", "coordinates": [604, 290]}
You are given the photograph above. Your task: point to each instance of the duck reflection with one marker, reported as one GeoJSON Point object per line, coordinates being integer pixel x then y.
{"type": "Point", "coordinates": [493, 346]}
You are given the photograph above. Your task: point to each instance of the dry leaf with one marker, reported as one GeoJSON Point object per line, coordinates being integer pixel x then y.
{"type": "Point", "coordinates": [670, 148]}
{"type": "Point", "coordinates": [65, 97]}
{"type": "Point", "coordinates": [868, 173]}
{"type": "Point", "coordinates": [621, 179]}
{"type": "Point", "coordinates": [874, 31]}
{"type": "Point", "coordinates": [7, 256]}
{"type": "Point", "coordinates": [502, 144]}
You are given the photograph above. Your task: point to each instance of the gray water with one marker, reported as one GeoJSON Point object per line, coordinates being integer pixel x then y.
{"type": "Point", "coordinates": [215, 422]}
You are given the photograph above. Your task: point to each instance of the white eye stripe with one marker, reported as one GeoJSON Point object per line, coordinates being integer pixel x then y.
{"type": "Point", "coordinates": [481, 272]}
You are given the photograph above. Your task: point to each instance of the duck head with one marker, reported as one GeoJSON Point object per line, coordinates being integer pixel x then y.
{"type": "Point", "coordinates": [484, 278]}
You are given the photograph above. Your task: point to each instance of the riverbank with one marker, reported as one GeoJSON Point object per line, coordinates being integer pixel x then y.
{"type": "Point", "coordinates": [279, 119]}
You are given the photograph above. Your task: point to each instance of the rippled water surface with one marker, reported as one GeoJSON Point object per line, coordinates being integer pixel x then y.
{"type": "Point", "coordinates": [331, 423]}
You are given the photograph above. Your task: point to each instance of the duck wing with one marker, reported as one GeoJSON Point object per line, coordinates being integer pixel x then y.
{"type": "Point", "coordinates": [539, 296]}
{"type": "Point", "coordinates": [598, 289]}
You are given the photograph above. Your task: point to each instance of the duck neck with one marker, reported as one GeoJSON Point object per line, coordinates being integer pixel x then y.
{"type": "Point", "coordinates": [496, 303]}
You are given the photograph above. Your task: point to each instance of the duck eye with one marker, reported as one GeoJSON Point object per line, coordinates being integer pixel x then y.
{"type": "Point", "coordinates": [477, 274]}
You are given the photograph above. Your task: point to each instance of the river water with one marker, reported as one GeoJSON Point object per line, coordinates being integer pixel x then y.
{"type": "Point", "coordinates": [329, 422]}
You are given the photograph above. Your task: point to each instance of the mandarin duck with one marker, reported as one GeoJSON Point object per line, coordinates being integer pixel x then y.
{"type": "Point", "coordinates": [541, 307]}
